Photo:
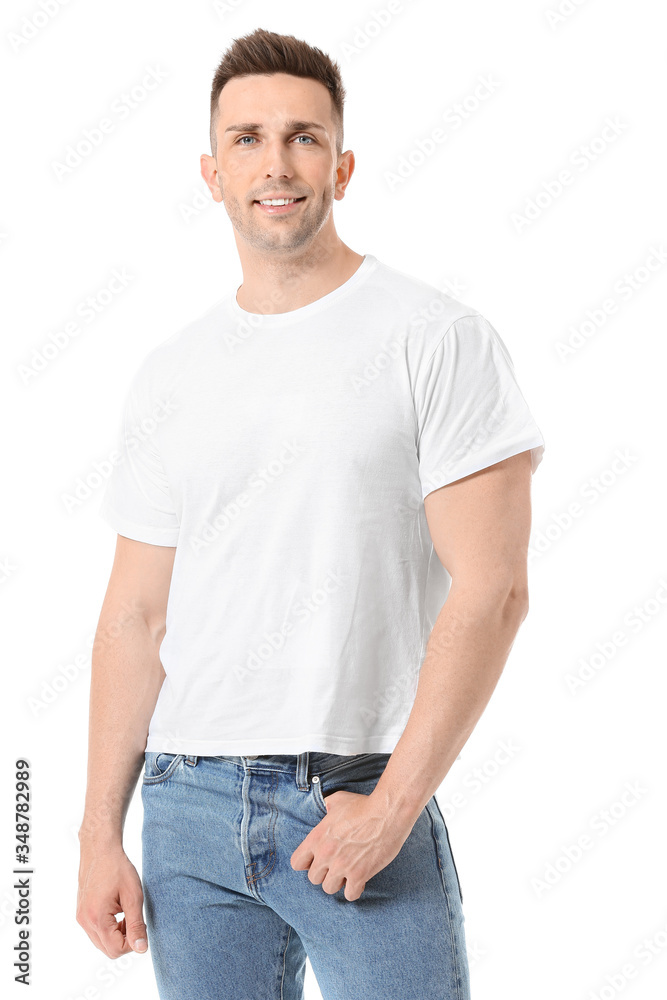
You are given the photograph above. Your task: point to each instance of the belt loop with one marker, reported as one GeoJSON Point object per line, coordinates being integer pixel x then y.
{"type": "Point", "coordinates": [302, 772]}
{"type": "Point", "coordinates": [190, 759]}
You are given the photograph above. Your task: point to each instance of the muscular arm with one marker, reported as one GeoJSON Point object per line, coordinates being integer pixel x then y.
{"type": "Point", "coordinates": [480, 528]}
{"type": "Point", "coordinates": [126, 678]}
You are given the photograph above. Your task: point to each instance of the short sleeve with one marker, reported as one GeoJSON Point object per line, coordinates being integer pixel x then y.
{"type": "Point", "coordinates": [136, 500]}
{"type": "Point", "coordinates": [470, 410]}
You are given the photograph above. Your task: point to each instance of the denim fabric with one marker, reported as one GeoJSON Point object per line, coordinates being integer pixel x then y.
{"type": "Point", "coordinates": [228, 917]}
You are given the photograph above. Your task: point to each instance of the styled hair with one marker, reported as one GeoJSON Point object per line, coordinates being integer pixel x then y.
{"type": "Point", "coordinates": [265, 52]}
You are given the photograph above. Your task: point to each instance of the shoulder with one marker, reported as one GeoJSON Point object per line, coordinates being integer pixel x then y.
{"type": "Point", "coordinates": [169, 359]}
{"type": "Point", "coordinates": [424, 310]}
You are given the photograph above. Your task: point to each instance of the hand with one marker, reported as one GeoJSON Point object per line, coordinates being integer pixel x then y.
{"type": "Point", "coordinates": [353, 842]}
{"type": "Point", "coordinates": [110, 884]}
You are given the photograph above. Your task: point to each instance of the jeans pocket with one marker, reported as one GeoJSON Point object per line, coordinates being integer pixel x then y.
{"type": "Point", "coordinates": [359, 774]}
{"type": "Point", "coordinates": [160, 766]}
{"type": "Point", "coordinates": [318, 796]}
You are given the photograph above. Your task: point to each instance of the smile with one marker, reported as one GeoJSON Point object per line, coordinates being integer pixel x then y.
{"type": "Point", "coordinates": [278, 206]}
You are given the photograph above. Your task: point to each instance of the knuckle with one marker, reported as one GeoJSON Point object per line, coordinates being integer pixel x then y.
{"type": "Point", "coordinates": [86, 918]}
{"type": "Point", "coordinates": [133, 900]}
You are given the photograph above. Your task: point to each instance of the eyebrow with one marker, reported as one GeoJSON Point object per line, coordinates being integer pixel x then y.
{"type": "Point", "coordinates": [294, 125]}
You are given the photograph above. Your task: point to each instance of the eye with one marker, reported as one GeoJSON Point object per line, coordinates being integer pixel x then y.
{"type": "Point", "coordinates": [240, 141]}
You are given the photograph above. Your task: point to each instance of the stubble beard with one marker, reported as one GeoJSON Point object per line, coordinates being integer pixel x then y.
{"type": "Point", "coordinates": [276, 236]}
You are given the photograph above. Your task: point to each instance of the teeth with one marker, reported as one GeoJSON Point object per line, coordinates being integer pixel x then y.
{"type": "Point", "coordinates": [278, 201]}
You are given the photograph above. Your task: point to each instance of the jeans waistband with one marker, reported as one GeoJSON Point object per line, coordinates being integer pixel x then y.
{"type": "Point", "coordinates": [302, 765]}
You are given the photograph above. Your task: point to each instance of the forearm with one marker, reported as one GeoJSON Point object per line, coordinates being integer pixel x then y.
{"type": "Point", "coordinates": [126, 678]}
{"type": "Point", "coordinates": [465, 656]}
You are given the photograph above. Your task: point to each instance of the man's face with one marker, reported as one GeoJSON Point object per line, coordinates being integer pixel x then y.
{"type": "Point", "coordinates": [277, 139]}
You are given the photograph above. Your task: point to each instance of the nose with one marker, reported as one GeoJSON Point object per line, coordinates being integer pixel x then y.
{"type": "Point", "coordinates": [276, 162]}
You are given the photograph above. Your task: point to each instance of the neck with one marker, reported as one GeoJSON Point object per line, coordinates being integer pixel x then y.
{"type": "Point", "coordinates": [277, 284]}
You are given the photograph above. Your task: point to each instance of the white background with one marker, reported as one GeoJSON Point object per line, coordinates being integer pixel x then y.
{"type": "Point", "coordinates": [539, 924]}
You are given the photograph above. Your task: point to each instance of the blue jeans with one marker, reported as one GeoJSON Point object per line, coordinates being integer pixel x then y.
{"type": "Point", "coordinates": [228, 917]}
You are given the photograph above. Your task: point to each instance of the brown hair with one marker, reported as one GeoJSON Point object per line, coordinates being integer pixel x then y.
{"type": "Point", "coordinates": [265, 52]}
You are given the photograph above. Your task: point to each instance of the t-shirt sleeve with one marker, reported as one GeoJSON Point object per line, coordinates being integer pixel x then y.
{"type": "Point", "coordinates": [137, 502]}
{"type": "Point", "coordinates": [470, 410]}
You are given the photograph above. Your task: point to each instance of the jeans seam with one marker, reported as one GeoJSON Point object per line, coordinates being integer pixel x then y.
{"type": "Point", "coordinates": [282, 978]}
{"type": "Point", "coordinates": [449, 845]}
{"type": "Point", "coordinates": [270, 865]}
{"type": "Point", "coordinates": [452, 929]}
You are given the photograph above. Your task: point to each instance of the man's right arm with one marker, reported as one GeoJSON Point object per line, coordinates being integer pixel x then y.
{"type": "Point", "coordinates": [125, 682]}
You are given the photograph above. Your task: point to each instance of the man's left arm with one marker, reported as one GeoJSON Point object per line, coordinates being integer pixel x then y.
{"type": "Point", "coordinates": [480, 528]}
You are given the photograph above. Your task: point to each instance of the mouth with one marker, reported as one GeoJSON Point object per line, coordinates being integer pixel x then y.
{"type": "Point", "coordinates": [278, 206]}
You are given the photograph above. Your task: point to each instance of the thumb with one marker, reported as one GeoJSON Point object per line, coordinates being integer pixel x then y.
{"type": "Point", "coordinates": [136, 935]}
{"type": "Point", "coordinates": [135, 928]}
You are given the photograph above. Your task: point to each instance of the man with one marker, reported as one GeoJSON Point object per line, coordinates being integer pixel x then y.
{"type": "Point", "coordinates": [308, 470]}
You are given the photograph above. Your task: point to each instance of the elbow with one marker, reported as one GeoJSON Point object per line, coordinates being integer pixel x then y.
{"type": "Point", "coordinates": [507, 601]}
{"type": "Point", "coordinates": [517, 603]}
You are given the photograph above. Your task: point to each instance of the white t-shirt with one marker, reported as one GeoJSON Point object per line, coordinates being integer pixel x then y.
{"type": "Point", "coordinates": [287, 457]}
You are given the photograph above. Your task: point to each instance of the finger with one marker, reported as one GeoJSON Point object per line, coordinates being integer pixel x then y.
{"type": "Point", "coordinates": [94, 937]}
{"type": "Point", "coordinates": [134, 928]}
{"type": "Point", "coordinates": [87, 921]}
{"type": "Point", "coordinates": [302, 857]}
{"type": "Point", "coordinates": [331, 887]}
{"type": "Point", "coordinates": [127, 947]}
{"type": "Point", "coordinates": [317, 875]}
{"type": "Point", "coordinates": [99, 935]}
{"type": "Point", "coordinates": [111, 936]}
{"type": "Point", "coordinates": [353, 891]}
